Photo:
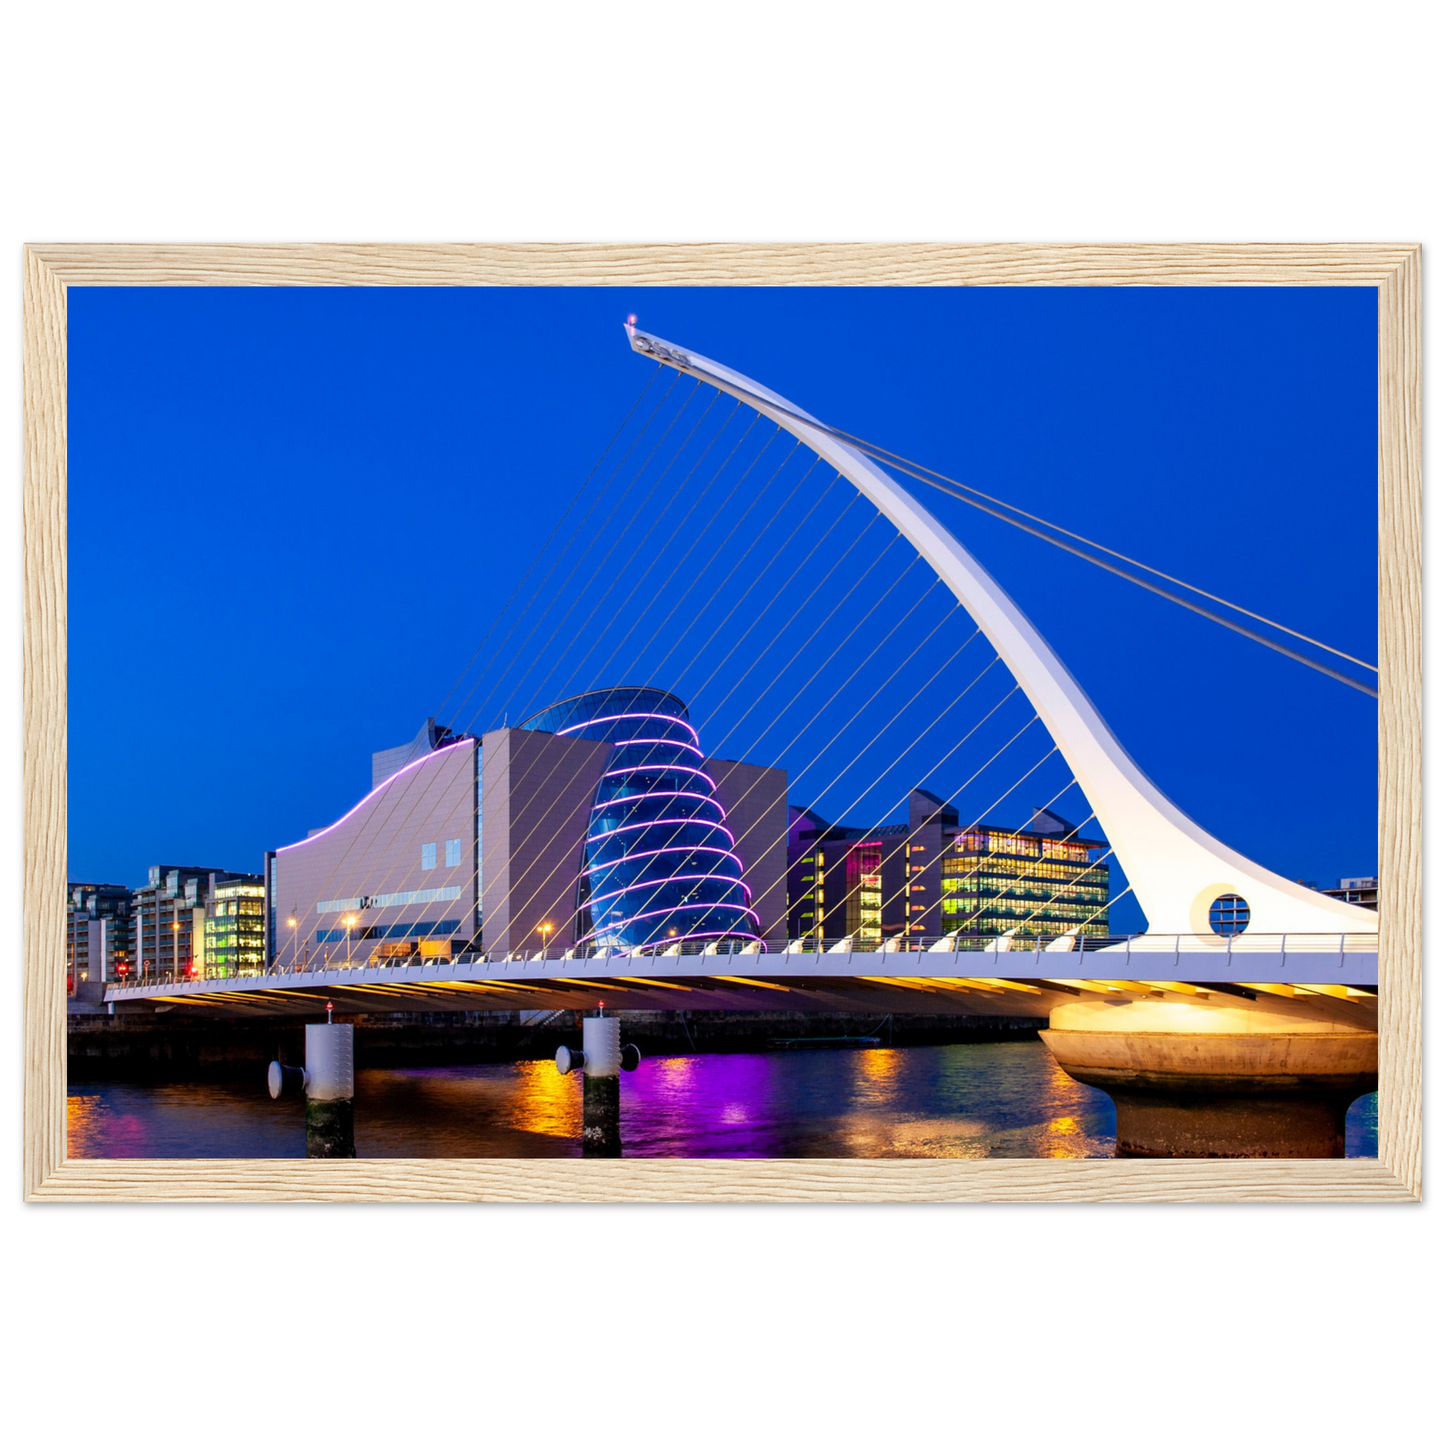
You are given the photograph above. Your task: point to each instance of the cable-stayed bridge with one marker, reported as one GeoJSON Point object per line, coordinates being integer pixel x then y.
{"type": "Point", "coordinates": [1282, 998]}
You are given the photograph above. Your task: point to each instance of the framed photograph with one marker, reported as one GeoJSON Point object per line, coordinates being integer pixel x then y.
{"type": "Point", "coordinates": [722, 722]}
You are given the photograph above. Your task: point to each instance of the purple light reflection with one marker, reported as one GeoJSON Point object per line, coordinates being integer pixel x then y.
{"type": "Point", "coordinates": [728, 1099]}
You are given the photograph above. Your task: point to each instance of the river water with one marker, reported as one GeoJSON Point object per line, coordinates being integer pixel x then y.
{"type": "Point", "coordinates": [951, 1101]}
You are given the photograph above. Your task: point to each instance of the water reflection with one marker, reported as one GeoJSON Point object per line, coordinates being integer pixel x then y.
{"type": "Point", "coordinates": [969, 1101]}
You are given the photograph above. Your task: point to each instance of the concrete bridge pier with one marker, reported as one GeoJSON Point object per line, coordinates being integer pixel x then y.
{"type": "Point", "coordinates": [330, 1091]}
{"type": "Point", "coordinates": [1213, 1078]}
{"type": "Point", "coordinates": [329, 1082]}
{"type": "Point", "coordinates": [602, 1060]}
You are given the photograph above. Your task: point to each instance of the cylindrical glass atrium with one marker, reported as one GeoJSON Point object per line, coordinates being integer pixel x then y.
{"type": "Point", "coordinates": [658, 865]}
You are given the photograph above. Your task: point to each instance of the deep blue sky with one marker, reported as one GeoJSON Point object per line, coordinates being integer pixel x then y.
{"type": "Point", "coordinates": [294, 514]}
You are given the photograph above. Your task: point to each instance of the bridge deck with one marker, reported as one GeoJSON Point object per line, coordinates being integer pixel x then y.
{"type": "Point", "coordinates": [1025, 982]}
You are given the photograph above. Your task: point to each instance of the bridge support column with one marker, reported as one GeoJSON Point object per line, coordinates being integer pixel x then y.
{"type": "Point", "coordinates": [602, 1059]}
{"type": "Point", "coordinates": [330, 1087]}
{"type": "Point", "coordinates": [1217, 1081]}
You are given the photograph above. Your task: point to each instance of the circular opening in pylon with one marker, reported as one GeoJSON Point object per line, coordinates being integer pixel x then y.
{"type": "Point", "coordinates": [1229, 914]}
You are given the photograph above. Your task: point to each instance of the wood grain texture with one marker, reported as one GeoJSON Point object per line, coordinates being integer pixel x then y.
{"type": "Point", "coordinates": [726, 1181]}
{"type": "Point", "coordinates": [1393, 269]}
{"type": "Point", "coordinates": [44, 705]}
{"type": "Point", "coordinates": [1401, 481]}
{"type": "Point", "coordinates": [837, 264]}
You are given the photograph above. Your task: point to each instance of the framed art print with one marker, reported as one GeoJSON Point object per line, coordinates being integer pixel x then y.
{"type": "Point", "coordinates": [722, 722]}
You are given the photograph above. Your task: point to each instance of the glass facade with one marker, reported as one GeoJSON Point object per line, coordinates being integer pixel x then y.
{"type": "Point", "coordinates": [994, 880]}
{"type": "Point", "coordinates": [865, 894]}
{"type": "Point", "coordinates": [658, 866]}
{"type": "Point", "coordinates": [235, 929]}
{"type": "Point", "coordinates": [929, 878]}
{"type": "Point", "coordinates": [411, 896]}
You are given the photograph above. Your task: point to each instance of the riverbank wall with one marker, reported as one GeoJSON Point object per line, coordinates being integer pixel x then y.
{"type": "Point", "coordinates": [102, 1046]}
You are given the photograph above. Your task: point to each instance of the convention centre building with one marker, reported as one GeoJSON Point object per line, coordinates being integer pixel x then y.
{"type": "Point", "coordinates": [600, 823]}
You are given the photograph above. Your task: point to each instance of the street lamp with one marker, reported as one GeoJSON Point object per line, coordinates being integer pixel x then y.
{"type": "Point", "coordinates": [350, 922]}
{"type": "Point", "coordinates": [291, 924]}
{"type": "Point", "coordinates": [175, 949]}
{"type": "Point", "coordinates": [544, 929]}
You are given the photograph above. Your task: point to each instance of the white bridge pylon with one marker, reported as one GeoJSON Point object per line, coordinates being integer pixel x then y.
{"type": "Point", "coordinates": [1176, 868]}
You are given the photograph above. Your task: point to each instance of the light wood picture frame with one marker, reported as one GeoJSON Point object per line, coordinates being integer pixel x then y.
{"type": "Point", "coordinates": [1394, 270]}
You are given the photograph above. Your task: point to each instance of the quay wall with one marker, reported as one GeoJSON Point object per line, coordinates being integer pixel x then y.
{"type": "Point", "coordinates": [129, 1047]}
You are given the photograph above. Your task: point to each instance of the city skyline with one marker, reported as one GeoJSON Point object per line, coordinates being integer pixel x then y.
{"type": "Point", "coordinates": [1259, 399]}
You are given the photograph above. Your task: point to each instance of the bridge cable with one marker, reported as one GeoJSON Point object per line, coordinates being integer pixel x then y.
{"type": "Point", "coordinates": [960, 491]}
{"type": "Point", "coordinates": [863, 662]}
{"type": "Point", "coordinates": [962, 788]}
{"type": "Point", "coordinates": [781, 841]}
{"type": "Point", "coordinates": [581, 767]}
{"type": "Point", "coordinates": [415, 799]}
{"type": "Point", "coordinates": [558, 555]}
{"type": "Point", "coordinates": [552, 536]}
{"type": "Point", "coordinates": [677, 642]}
{"type": "Point", "coordinates": [526, 772]}
{"type": "Point", "coordinates": [1073, 832]}
{"type": "Point", "coordinates": [837, 563]}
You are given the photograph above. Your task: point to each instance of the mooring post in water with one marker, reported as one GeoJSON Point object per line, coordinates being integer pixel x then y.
{"type": "Point", "coordinates": [329, 1081]}
{"type": "Point", "coordinates": [602, 1059]}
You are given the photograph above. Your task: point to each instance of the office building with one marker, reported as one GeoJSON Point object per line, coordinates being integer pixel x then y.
{"type": "Point", "coordinates": [931, 876]}
{"type": "Point", "coordinates": [233, 940]}
{"type": "Point", "coordinates": [168, 917]}
{"type": "Point", "coordinates": [97, 935]}
{"type": "Point", "coordinates": [1364, 891]}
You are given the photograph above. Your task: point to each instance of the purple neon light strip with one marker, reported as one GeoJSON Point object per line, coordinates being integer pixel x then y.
{"type": "Point", "coordinates": [659, 768]}
{"type": "Point", "coordinates": [656, 883]}
{"type": "Point", "coordinates": [654, 852]}
{"type": "Point", "coordinates": [664, 823]}
{"type": "Point", "coordinates": [380, 788]}
{"type": "Point", "coordinates": [672, 793]}
{"type": "Point", "coordinates": [658, 743]}
{"type": "Point", "coordinates": [663, 912]}
{"type": "Point", "coordinates": [628, 717]}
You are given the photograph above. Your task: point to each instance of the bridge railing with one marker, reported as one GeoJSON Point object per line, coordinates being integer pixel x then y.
{"type": "Point", "coordinates": [738, 956]}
